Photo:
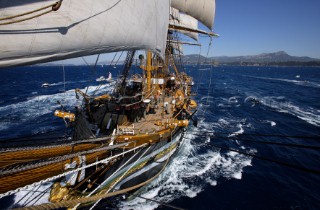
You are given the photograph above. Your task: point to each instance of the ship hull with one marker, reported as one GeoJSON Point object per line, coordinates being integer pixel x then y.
{"type": "Point", "coordinates": [134, 170]}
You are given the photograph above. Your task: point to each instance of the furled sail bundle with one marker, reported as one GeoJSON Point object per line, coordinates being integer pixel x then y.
{"type": "Point", "coordinates": [79, 28]}
{"type": "Point", "coordinates": [202, 10]}
{"type": "Point", "coordinates": [187, 22]}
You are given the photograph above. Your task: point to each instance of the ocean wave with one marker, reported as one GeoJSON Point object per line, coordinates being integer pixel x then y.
{"type": "Point", "coordinates": [68, 82]}
{"type": "Point", "coordinates": [38, 106]}
{"type": "Point", "coordinates": [233, 99]}
{"type": "Point", "coordinates": [272, 123]}
{"type": "Point", "coordinates": [296, 82]}
{"type": "Point", "coordinates": [308, 114]}
{"type": "Point", "coordinates": [240, 131]}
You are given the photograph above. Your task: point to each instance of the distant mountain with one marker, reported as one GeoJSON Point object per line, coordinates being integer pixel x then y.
{"type": "Point", "coordinates": [264, 58]}
{"type": "Point", "coordinates": [276, 58]}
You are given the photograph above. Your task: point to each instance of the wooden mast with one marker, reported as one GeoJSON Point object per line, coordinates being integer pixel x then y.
{"type": "Point", "coordinates": [148, 68]}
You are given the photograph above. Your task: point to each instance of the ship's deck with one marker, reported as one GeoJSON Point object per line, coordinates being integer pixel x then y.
{"type": "Point", "coordinates": [147, 124]}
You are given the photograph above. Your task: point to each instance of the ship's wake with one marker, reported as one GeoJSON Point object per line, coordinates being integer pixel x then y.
{"type": "Point", "coordinates": [197, 165]}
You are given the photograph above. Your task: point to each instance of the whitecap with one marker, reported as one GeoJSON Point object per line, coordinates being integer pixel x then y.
{"type": "Point", "coordinates": [296, 82]}
{"type": "Point", "coordinates": [233, 99]}
{"type": "Point", "coordinates": [240, 131]}
{"type": "Point", "coordinates": [272, 123]}
{"type": "Point", "coordinates": [307, 114]}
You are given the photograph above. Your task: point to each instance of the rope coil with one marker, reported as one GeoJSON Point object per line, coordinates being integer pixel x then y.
{"type": "Point", "coordinates": [54, 7]}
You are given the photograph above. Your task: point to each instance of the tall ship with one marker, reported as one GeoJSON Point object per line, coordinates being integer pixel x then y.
{"type": "Point", "coordinates": [122, 140]}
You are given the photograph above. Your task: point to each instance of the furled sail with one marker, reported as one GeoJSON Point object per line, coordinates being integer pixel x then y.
{"type": "Point", "coordinates": [177, 47]}
{"type": "Point", "coordinates": [202, 10]}
{"type": "Point", "coordinates": [187, 22]}
{"type": "Point", "coordinates": [80, 28]}
{"type": "Point", "coordinates": [174, 15]}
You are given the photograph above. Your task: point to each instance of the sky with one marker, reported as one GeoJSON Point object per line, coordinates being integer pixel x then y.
{"type": "Point", "coordinates": [251, 27]}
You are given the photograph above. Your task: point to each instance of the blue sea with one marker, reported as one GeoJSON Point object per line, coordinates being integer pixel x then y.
{"type": "Point", "coordinates": [234, 102]}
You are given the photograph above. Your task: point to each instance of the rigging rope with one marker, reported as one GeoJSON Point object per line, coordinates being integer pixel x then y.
{"type": "Point", "coordinates": [69, 172]}
{"type": "Point", "coordinates": [74, 202]}
{"type": "Point", "coordinates": [54, 7]}
{"type": "Point", "coordinates": [119, 179]}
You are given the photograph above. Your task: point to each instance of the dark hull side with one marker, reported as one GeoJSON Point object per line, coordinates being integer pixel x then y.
{"type": "Point", "coordinates": [150, 169]}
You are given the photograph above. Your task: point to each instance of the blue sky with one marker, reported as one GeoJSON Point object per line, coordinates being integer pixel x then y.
{"type": "Point", "coordinates": [249, 27]}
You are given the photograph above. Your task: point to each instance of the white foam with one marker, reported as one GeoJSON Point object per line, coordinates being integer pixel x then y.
{"type": "Point", "coordinates": [296, 82]}
{"type": "Point", "coordinates": [233, 99]}
{"type": "Point", "coordinates": [68, 82]}
{"type": "Point", "coordinates": [33, 195]}
{"type": "Point", "coordinates": [195, 165]}
{"type": "Point", "coordinates": [37, 106]}
{"type": "Point", "coordinates": [240, 131]}
{"type": "Point", "coordinates": [211, 182]}
{"type": "Point", "coordinates": [307, 114]}
{"type": "Point", "coordinates": [272, 123]}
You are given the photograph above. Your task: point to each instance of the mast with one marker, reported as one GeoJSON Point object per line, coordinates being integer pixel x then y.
{"type": "Point", "coordinates": [148, 68]}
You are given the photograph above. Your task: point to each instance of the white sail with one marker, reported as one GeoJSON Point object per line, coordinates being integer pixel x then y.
{"type": "Point", "coordinates": [81, 27]}
{"type": "Point", "coordinates": [188, 22]}
{"type": "Point", "coordinates": [202, 10]}
{"type": "Point", "coordinates": [174, 15]}
{"type": "Point", "coordinates": [177, 47]}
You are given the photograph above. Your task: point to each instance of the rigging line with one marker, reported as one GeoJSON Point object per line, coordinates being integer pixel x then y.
{"type": "Point", "coordinates": [69, 172]}
{"type": "Point", "coordinates": [301, 168]}
{"type": "Point", "coordinates": [106, 180]}
{"type": "Point", "coordinates": [95, 73]}
{"type": "Point", "coordinates": [159, 202]}
{"type": "Point", "coordinates": [198, 67]}
{"type": "Point", "coordinates": [95, 64]}
{"type": "Point", "coordinates": [39, 196]}
{"type": "Point", "coordinates": [120, 179]}
{"type": "Point", "coordinates": [115, 55]}
{"type": "Point", "coordinates": [54, 7]}
{"type": "Point", "coordinates": [64, 80]}
{"type": "Point", "coordinates": [91, 68]}
{"type": "Point", "coordinates": [97, 197]}
{"type": "Point", "coordinates": [31, 191]}
{"type": "Point", "coordinates": [209, 46]}
{"type": "Point", "coordinates": [119, 58]}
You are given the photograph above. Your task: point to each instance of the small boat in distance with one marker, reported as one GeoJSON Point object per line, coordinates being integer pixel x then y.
{"type": "Point", "coordinates": [45, 85]}
{"type": "Point", "coordinates": [109, 79]}
{"type": "Point", "coordinates": [102, 78]}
